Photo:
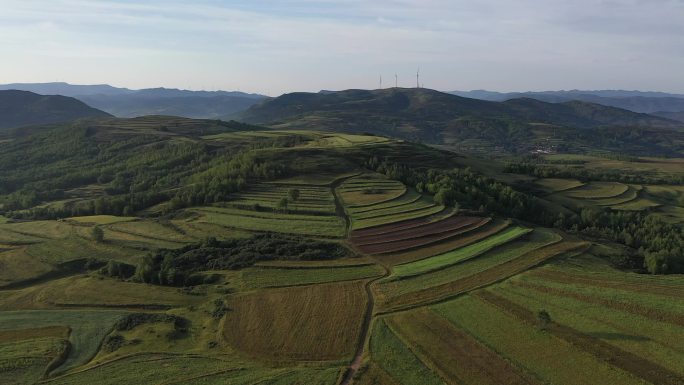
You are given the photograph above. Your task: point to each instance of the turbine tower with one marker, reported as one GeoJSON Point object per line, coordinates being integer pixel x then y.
{"type": "Point", "coordinates": [396, 81]}
{"type": "Point", "coordinates": [380, 81]}
{"type": "Point", "coordinates": [418, 78]}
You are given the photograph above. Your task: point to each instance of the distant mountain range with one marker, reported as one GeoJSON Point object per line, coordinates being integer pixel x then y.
{"type": "Point", "coordinates": [637, 101]}
{"type": "Point", "coordinates": [23, 108]}
{"type": "Point", "coordinates": [124, 102]}
{"type": "Point", "coordinates": [464, 123]}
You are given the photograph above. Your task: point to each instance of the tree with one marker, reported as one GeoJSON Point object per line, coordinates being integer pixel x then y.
{"type": "Point", "coordinates": [544, 319]}
{"type": "Point", "coordinates": [98, 234]}
{"type": "Point", "coordinates": [282, 203]}
{"type": "Point", "coordinates": [293, 194]}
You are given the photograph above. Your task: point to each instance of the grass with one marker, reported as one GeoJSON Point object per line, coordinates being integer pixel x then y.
{"type": "Point", "coordinates": [88, 328]}
{"type": "Point", "coordinates": [316, 322]}
{"type": "Point", "coordinates": [17, 266]}
{"type": "Point", "coordinates": [444, 260]}
{"type": "Point", "coordinates": [24, 361]}
{"type": "Point", "coordinates": [275, 277]}
{"type": "Point", "coordinates": [395, 358]}
{"type": "Point", "coordinates": [546, 357]}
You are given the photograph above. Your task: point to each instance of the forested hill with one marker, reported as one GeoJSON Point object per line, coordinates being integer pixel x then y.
{"type": "Point", "coordinates": [23, 108]}
{"type": "Point", "coordinates": [439, 118]}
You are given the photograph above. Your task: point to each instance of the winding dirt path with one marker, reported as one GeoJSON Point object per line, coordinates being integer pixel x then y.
{"type": "Point", "coordinates": [364, 334]}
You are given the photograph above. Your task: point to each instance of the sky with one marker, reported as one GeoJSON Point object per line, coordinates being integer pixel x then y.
{"type": "Point", "coordinates": [273, 47]}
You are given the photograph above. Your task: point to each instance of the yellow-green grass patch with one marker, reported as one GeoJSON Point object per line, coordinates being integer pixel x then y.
{"type": "Point", "coordinates": [597, 190]}
{"type": "Point", "coordinates": [553, 185]}
{"type": "Point", "coordinates": [93, 291]}
{"type": "Point", "coordinates": [331, 226]}
{"type": "Point", "coordinates": [16, 265]}
{"type": "Point", "coordinates": [101, 219]}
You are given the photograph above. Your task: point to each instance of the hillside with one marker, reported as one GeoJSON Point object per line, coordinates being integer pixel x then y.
{"type": "Point", "coordinates": [429, 116]}
{"type": "Point", "coordinates": [643, 102]}
{"type": "Point", "coordinates": [170, 250]}
{"type": "Point", "coordinates": [22, 108]}
{"type": "Point", "coordinates": [124, 102]}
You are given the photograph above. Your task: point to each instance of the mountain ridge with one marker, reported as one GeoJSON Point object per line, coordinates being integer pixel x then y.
{"type": "Point", "coordinates": [24, 108]}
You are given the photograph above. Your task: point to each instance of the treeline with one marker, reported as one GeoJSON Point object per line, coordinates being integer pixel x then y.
{"type": "Point", "coordinates": [659, 245]}
{"type": "Point", "coordinates": [183, 267]}
{"type": "Point", "coordinates": [540, 170]}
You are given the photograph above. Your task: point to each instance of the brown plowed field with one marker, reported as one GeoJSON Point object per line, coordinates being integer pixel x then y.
{"type": "Point", "coordinates": [417, 242]}
{"type": "Point", "coordinates": [454, 354]}
{"type": "Point", "coordinates": [615, 356]}
{"type": "Point", "coordinates": [313, 323]}
{"type": "Point", "coordinates": [443, 226]}
{"type": "Point", "coordinates": [487, 277]}
{"type": "Point", "coordinates": [487, 229]}
{"type": "Point", "coordinates": [396, 226]}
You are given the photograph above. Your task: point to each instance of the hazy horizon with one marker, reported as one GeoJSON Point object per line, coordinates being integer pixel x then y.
{"type": "Point", "coordinates": [302, 45]}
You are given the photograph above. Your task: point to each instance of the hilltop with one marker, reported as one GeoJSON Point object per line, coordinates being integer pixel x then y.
{"type": "Point", "coordinates": [434, 117]}
{"type": "Point", "coordinates": [23, 108]}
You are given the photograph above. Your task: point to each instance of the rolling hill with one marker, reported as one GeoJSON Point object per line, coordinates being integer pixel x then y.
{"type": "Point", "coordinates": [23, 108]}
{"type": "Point", "coordinates": [429, 116]}
{"type": "Point", "coordinates": [644, 102]}
{"type": "Point", "coordinates": [127, 103]}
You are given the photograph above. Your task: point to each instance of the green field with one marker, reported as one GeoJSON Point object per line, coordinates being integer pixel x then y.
{"type": "Point", "coordinates": [277, 277]}
{"type": "Point", "coordinates": [451, 258]}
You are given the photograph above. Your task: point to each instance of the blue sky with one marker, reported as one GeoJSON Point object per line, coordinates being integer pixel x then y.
{"type": "Point", "coordinates": [273, 47]}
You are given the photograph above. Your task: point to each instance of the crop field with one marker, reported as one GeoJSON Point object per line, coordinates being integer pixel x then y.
{"type": "Point", "coordinates": [468, 236]}
{"type": "Point", "coordinates": [553, 185]}
{"type": "Point", "coordinates": [548, 358]}
{"type": "Point", "coordinates": [315, 322]}
{"type": "Point", "coordinates": [369, 189]}
{"type": "Point", "coordinates": [396, 359]}
{"type": "Point", "coordinates": [422, 296]}
{"type": "Point", "coordinates": [312, 199]}
{"type": "Point", "coordinates": [418, 236]}
{"type": "Point", "coordinates": [441, 261]}
{"type": "Point", "coordinates": [331, 226]}
{"type": "Point", "coordinates": [598, 190]}
{"type": "Point", "coordinates": [88, 328]}
{"type": "Point", "coordinates": [487, 260]}
{"type": "Point", "coordinates": [292, 276]}
{"type": "Point", "coordinates": [85, 291]}
{"type": "Point", "coordinates": [453, 353]}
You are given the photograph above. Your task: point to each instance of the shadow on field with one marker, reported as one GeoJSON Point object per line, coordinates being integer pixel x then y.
{"type": "Point", "coordinates": [618, 336]}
